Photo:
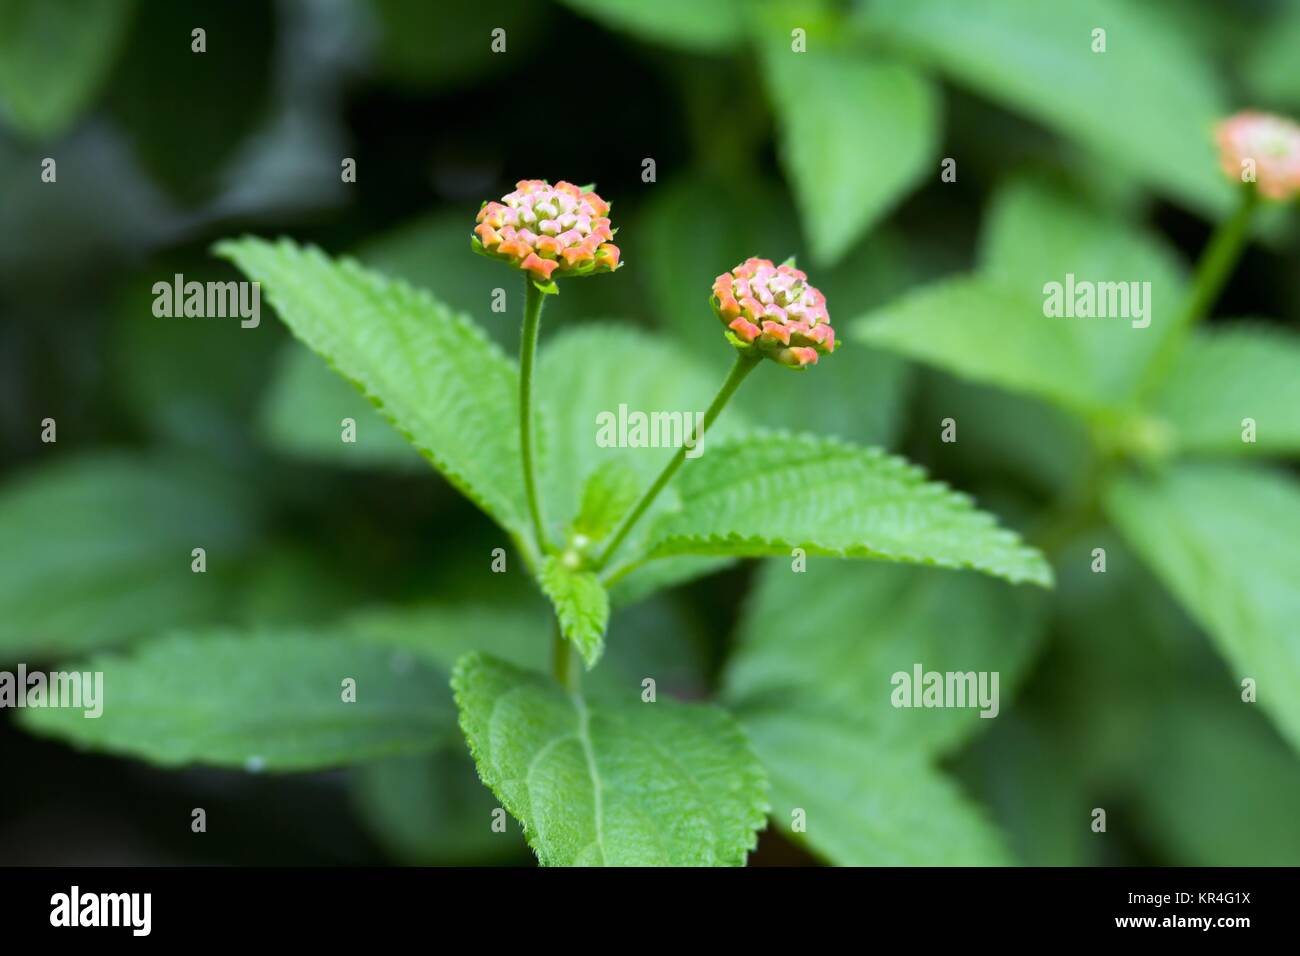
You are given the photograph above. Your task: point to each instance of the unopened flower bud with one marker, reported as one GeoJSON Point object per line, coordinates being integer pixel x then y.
{"type": "Point", "coordinates": [550, 232]}
{"type": "Point", "coordinates": [772, 309]}
{"type": "Point", "coordinates": [1271, 143]}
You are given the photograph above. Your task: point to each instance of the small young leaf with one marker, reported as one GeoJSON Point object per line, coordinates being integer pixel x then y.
{"type": "Point", "coordinates": [1222, 539]}
{"type": "Point", "coordinates": [772, 492]}
{"type": "Point", "coordinates": [432, 373]}
{"type": "Point", "coordinates": [835, 111]}
{"type": "Point", "coordinates": [611, 780]}
{"type": "Point", "coordinates": [1225, 376]}
{"type": "Point", "coordinates": [273, 701]}
{"type": "Point", "coordinates": [863, 803]}
{"type": "Point", "coordinates": [581, 605]}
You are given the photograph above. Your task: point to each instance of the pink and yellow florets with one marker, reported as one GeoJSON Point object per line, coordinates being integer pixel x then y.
{"type": "Point", "coordinates": [548, 231]}
{"type": "Point", "coordinates": [773, 311]}
{"type": "Point", "coordinates": [1271, 143]}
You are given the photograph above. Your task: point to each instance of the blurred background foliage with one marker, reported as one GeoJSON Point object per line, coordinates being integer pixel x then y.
{"type": "Point", "coordinates": [172, 431]}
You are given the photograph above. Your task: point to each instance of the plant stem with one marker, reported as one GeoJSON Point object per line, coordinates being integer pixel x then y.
{"type": "Point", "coordinates": [744, 365]}
{"type": "Point", "coordinates": [533, 300]}
{"type": "Point", "coordinates": [562, 660]}
{"type": "Point", "coordinates": [1212, 272]}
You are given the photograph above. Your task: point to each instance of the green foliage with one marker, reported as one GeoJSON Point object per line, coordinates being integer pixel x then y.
{"type": "Point", "coordinates": [608, 494]}
{"type": "Point", "coordinates": [1221, 538]}
{"type": "Point", "coordinates": [835, 111]}
{"type": "Point", "coordinates": [1222, 377]}
{"type": "Point", "coordinates": [581, 606]}
{"type": "Point", "coordinates": [770, 493]}
{"type": "Point", "coordinates": [54, 54]}
{"type": "Point", "coordinates": [859, 624]}
{"type": "Point", "coordinates": [1007, 50]}
{"type": "Point", "coordinates": [696, 25]}
{"type": "Point", "coordinates": [432, 373]}
{"type": "Point", "coordinates": [269, 701]}
{"type": "Point", "coordinates": [106, 545]}
{"type": "Point", "coordinates": [610, 780]}
{"type": "Point", "coordinates": [866, 804]}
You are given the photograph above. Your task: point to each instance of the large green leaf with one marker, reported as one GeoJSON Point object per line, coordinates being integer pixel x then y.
{"type": "Point", "coordinates": [271, 701]}
{"type": "Point", "coordinates": [1222, 539]}
{"type": "Point", "coordinates": [697, 25]}
{"type": "Point", "coordinates": [610, 780]}
{"type": "Point", "coordinates": [771, 492]}
{"type": "Point", "coordinates": [1035, 235]}
{"type": "Point", "coordinates": [432, 373]}
{"type": "Point", "coordinates": [1037, 58]}
{"type": "Point", "coordinates": [830, 639]}
{"type": "Point", "coordinates": [304, 413]}
{"type": "Point", "coordinates": [856, 134]}
{"type": "Point", "coordinates": [53, 56]}
{"type": "Point", "coordinates": [98, 549]}
{"type": "Point", "coordinates": [1224, 376]}
{"type": "Point", "coordinates": [865, 804]}
{"type": "Point", "coordinates": [581, 606]}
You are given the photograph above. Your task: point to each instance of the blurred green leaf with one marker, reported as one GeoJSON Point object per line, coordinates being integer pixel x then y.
{"type": "Point", "coordinates": [304, 412]}
{"type": "Point", "coordinates": [581, 606]}
{"type": "Point", "coordinates": [1222, 539]}
{"type": "Point", "coordinates": [432, 372]}
{"type": "Point", "coordinates": [769, 493]}
{"type": "Point", "coordinates": [54, 54]}
{"type": "Point", "coordinates": [608, 494]}
{"type": "Point", "coordinates": [856, 134]}
{"type": "Point", "coordinates": [696, 25]}
{"type": "Point", "coordinates": [609, 780]}
{"type": "Point", "coordinates": [1034, 236]}
{"type": "Point", "coordinates": [1228, 374]}
{"type": "Point", "coordinates": [100, 550]}
{"type": "Point", "coordinates": [865, 804]}
{"type": "Point", "coordinates": [270, 701]}
{"type": "Point", "coordinates": [1147, 104]}
{"type": "Point", "coordinates": [829, 640]}
{"type": "Point", "coordinates": [1270, 70]}
{"type": "Point", "coordinates": [433, 811]}
{"type": "Point", "coordinates": [431, 46]}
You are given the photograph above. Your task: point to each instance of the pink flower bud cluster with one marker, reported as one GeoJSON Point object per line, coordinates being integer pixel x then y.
{"type": "Point", "coordinates": [1272, 142]}
{"type": "Point", "coordinates": [548, 231]}
{"type": "Point", "coordinates": [773, 309]}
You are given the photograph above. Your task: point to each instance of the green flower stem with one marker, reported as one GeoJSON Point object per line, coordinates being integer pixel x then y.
{"type": "Point", "coordinates": [1212, 272]}
{"type": "Point", "coordinates": [562, 660]}
{"type": "Point", "coordinates": [533, 300]}
{"type": "Point", "coordinates": [744, 365]}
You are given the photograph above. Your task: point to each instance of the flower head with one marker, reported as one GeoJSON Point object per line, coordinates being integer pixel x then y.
{"type": "Point", "coordinates": [548, 231]}
{"type": "Point", "coordinates": [1271, 142]}
{"type": "Point", "coordinates": [773, 309]}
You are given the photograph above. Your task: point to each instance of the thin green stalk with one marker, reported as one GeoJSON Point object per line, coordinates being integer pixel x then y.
{"type": "Point", "coordinates": [562, 660]}
{"type": "Point", "coordinates": [1212, 272]}
{"type": "Point", "coordinates": [744, 365]}
{"type": "Point", "coordinates": [533, 300]}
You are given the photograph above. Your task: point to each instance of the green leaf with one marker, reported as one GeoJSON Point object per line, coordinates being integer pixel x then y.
{"type": "Point", "coordinates": [609, 494]}
{"type": "Point", "coordinates": [581, 605]}
{"type": "Point", "coordinates": [1037, 58]}
{"type": "Point", "coordinates": [865, 804]}
{"type": "Point", "coordinates": [1269, 68]}
{"type": "Point", "coordinates": [432, 373]}
{"type": "Point", "coordinates": [830, 639]}
{"type": "Point", "coordinates": [1035, 235]}
{"type": "Point", "coordinates": [273, 701]}
{"type": "Point", "coordinates": [54, 54]}
{"type": "Point", "coordinates": [1222, 539]}
{"type": "Point", "coordinates": [771, 492]}
{"type": "Point", "coordinates": [304, 411]}
{"type": "Point", "coordinates": [835, 112]}
{"type": "Point", "coordinates": [1229, 374]}
{"type": "Point", "coordinates": [695, 25]}
{"type": "Point", "coordinates": [102, 547]}
{"type": "Point", "coordinates": [611, 780]}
